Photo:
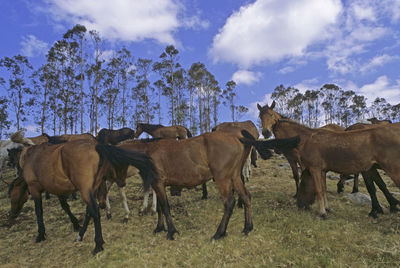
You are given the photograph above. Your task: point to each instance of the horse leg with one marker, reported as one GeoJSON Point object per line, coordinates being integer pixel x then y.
{"type": "Point", "coordinates": [319, 188]}
{"type": "Point", "coordinates": [355, 184]}
{"type": "Point", "coordinates": [160, 223]}
{"type": "Point", "coordinates": [125, 204]}
{"type": "Point", "coordinates": [154, 205]}
{"type": "Point", "coordinates": [205, 192]}
{"type": "Point", "coordinates": [47, 195]}
{"type": "Point", "coordinates": [93, 209]}
{"type": "Point", "coordinates": [295, 172]}
{"type": "Point", "coordinates": [376, 207]}
{"type": "Point", "coordinates": [108, 207]}
{"type": "Point", "coordinates": [240, 200]}
{"type": "Point", "coordinates": [162, 199]}
{"type": "Point", "coordinates": [340, 184]}
{"type": "Point", "coordinates": [39, 217]}
{"type": "Point", "coordinates": [323, 181]}
{"type": "Point", "coordinates": [145, 202]}
{"type": "Point", "coordinates": [246, 197]}
{"type": "Point", "coordinates": [225, 189]}
{"type": "Point", "coordinates": [66, 208]}
{"type": "Point", "coordinates": [393, 202]}
{"type": "Point", "coordinates": [82, 231]}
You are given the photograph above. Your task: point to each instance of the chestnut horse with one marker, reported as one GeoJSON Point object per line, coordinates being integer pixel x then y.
{"type": "Point", "coordinates": [191, 162]}
{"type": "Point", "coordinates": [110, 136]}
{"type": "Point", "coordinates": [350, 152]}
{"type": "Point", "coordinates": [160, 131]}
{"type": "Point", "coordinates": [76, 165]}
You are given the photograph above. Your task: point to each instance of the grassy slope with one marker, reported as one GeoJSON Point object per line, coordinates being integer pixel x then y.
{"type": "Point", "coordinates": [283, 235]}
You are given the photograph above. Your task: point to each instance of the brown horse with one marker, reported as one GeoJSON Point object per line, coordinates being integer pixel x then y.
{"type": "Point", "coordinates": [40, 139]}
{"type": "Point", "coordinates": [374, 120]}
{"type": "Point", "coordinates": [237, 127]}
{"type": "Point", "coordinates": [110, 136]}
{"type": "Point", "coordinates": [160, 131]}
{"type": "Point", "coordinates": [191, 162]}
{"type": "Point", "coordinates": [349, 152]}
{"type": "Point", "coordinates": [282, 127]}
{"type": "Point", "coordinates": [76, 165]}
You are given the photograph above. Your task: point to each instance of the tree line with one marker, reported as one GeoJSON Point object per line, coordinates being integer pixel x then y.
{"type": "Point", "coordinates": [331, 105]}
{"type": "Point", "coordinates": [78, 89]}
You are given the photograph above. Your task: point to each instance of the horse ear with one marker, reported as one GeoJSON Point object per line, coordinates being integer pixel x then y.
{"type": "Point", "coordinates": [259, 107]}
{"type": "Point", "coordinates": [272, 105]}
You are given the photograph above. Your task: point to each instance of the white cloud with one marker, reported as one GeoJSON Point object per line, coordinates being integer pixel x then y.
{"type": "Point", "coordinates": [272, 30]}
{"type": "Point", "coordinates": [287, 69]}
{"type": "Point", "coordinates": [308, 84]}
{"type": "Point", "coordinates": [33, 47]}
{"type": "Point", "coordinates": [382, 88]}
{"type": "Point", "coordinates": [376, 62]}
{"type": "Point", "coordinates": [125, 20]}
{"type": "Point", "coordinates": [246, 77]}
{"type": "Point", "coordinates": [253, 110]}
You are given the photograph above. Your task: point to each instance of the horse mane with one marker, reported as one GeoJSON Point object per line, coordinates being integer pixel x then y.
{"type": "Point", "coordinates": [150, 127]}
{"type": "Point", "coordinates": [56, 139]}
{"type": "Point", "coordinates": [12, 184]}
{"type": "Point", "coordinates": [290, 121]}
{"type": "Point", "coordinates": [189, 134]}
{"type": "Point", "coordinates": [148, 140]}
{"type": "Point", "coordinates": [18, 137]}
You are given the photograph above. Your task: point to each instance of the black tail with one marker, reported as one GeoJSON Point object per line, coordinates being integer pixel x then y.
{"type": "Point", "coordinates": [264, 146]}
{"type": "Point", "coordinates": [141, 161]}
{"type": "Point", "coordinates": [189, 134]}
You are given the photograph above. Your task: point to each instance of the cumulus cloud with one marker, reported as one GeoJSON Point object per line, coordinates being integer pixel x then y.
{"type": "Point", "coordinates": [272, 30]}
{"type": "Point", "coordinates": [308, 84]}
{"type": "Point", "coordinates": [287, 69]}
{"type": "Point", "coordinates": [126, 20]}
{"type": "Point", "coordinates": [382, 88]}
{"type": "Point", "coordinates": [246, 77]}
{"type": "Point", "coordinates": [253, 110]}
{"type": "Point", "coordinates": [33, 47]}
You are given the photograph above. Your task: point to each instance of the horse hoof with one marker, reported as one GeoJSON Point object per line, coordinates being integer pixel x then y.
{"type": "Point", "coordinates": [323, 216]}
{"type": "Point", "coordinates": [40, 238]}
{"type": "Point", "coordinates": [125, 220]}
{"type": "Point", "coordinates": [373, 214]}
{"type": "Point", "coordinates": [78, 238]}
{"type": "Point", "coordinates": [218, 236]}
{"type": "Point", "coordinates": [108, 215]}
{"type": "Point", "coordinates": [328, 210]}
{"type": "Point", "coordinates": [204, 197]}
{"type": "Point", "coordinates": [97, 249]}
{"type": "Point", "coordinates": [77, 227]}
{"type": "Point", "coordinates": [159, 229]}
{"type": "Point", "coordinates": [394, 209]}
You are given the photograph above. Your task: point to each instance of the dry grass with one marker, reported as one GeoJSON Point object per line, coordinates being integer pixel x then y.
{"type": "Point", "coordinates": [283, 235]}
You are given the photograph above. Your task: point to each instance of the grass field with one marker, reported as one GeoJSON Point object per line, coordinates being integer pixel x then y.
{"type": "Point", "coordinates": [282, 236]}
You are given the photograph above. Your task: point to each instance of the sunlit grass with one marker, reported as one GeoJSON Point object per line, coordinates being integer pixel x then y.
{"type": "Point", "coordinates": [282, 235]}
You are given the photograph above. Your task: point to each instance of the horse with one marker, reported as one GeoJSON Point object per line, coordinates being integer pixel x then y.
{"type": "Point", "coordinates": [110, 136]}
{"type": "Point", "coordinates": [375, 121]}
{"type": "Point", "coordinates": [16, 140]}
{"type": "Point", "coordinates": [40, 139]}
{"type": "Point", "coordinates": [160, 131]}
{"type": "Point", "coordinates": [191, 162]}
{"type": "Point", "coordinates": [76, 165]}
{"type": "Point", "coordinates": [283, 128]}
{"type": "Point", "coordinates": [350, 152]}
{"type": "Point", "coordinates": [237, 127]}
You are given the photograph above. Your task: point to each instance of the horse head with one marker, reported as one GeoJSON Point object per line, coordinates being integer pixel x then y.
{"type": "Point", "coordinates": [18, 194]}
{"type": "Point", "coordinates": [268, 118]}
{"type": "Point", "coordinates": [307, 191]}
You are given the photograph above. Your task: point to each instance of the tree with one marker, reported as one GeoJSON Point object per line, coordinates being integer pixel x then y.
{"type": "Point", "coordinates": [77, 34]}
{"type": "Point", "coordinates": [18, 91]}
{"type": "Point", "coordinates": [229, 95]}
{"type": "Point", "coordinates": [4, 122]}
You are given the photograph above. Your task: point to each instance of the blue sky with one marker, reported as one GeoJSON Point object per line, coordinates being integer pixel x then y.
{"type": "Point", "coordinates": [259, 44]}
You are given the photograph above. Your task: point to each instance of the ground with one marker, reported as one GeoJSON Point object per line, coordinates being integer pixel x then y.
{"type": "Point", "coordinates": [283, 235]}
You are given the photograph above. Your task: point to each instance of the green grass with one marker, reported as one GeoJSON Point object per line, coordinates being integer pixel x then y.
{"type": "Point", "coordinates": [282, 236]}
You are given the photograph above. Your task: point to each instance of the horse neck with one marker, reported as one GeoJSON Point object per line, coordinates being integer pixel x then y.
{"type": "Point", "coordinates": [285, 128]}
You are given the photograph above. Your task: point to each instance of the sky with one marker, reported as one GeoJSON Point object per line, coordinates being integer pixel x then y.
{"type": "Point", "coordinates": [259, 44]}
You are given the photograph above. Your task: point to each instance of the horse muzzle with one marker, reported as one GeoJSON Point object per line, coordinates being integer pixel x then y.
{"type": "Point", "coordinates": [266, 133]}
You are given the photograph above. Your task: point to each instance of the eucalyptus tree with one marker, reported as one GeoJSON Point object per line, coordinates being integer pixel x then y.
{"type": "Point", "coordinates": [19, 93]}
{"type": "Point", "coordinates": [358, 108]}
{"type": "Point", "coordinates": [330, 100]}
{"type": "Point", "coordinates": [5, 123]}
{"type": "Point", "coordinates": [143, 91]}
{"type": "Point", "coordinates": [126, 73]}
{"type": "Point", "coordinates": [228, 96]}
{"type": "Point", "coordinates": [77, 35]}
{"type": "Point", "coordinates": [195, 75]}
{"type": "Point", "coordinates": [312, 100]}
{"type": "Point", "coordinates": [169, 70]}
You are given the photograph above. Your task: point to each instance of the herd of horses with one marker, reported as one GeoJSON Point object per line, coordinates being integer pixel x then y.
{"type": "Point", "coordinates": [63, 164]}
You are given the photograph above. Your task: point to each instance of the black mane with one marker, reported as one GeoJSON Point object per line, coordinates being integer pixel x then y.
{"type": "Point", "coordinates": [149, 127]}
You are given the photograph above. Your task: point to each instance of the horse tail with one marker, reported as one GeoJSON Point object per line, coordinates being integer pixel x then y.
{"type": "Point", "coordinates": [117, 156]}
{"type": "Point", "coordinates": [263, 147]}
{"type": "Point", "coordinates": [188, 133]}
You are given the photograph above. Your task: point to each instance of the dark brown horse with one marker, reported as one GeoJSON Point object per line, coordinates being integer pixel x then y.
{"type": "Point", "coordinates": [110, 136]}
{"type": "Point", "coordinates": [191, 162]}
{"type": "Point", "coordinates": [350, 152]}
{"type": "Point", "coordinates": [160, 131]}
{"type": "Point", "coordinates": [76, 165]}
